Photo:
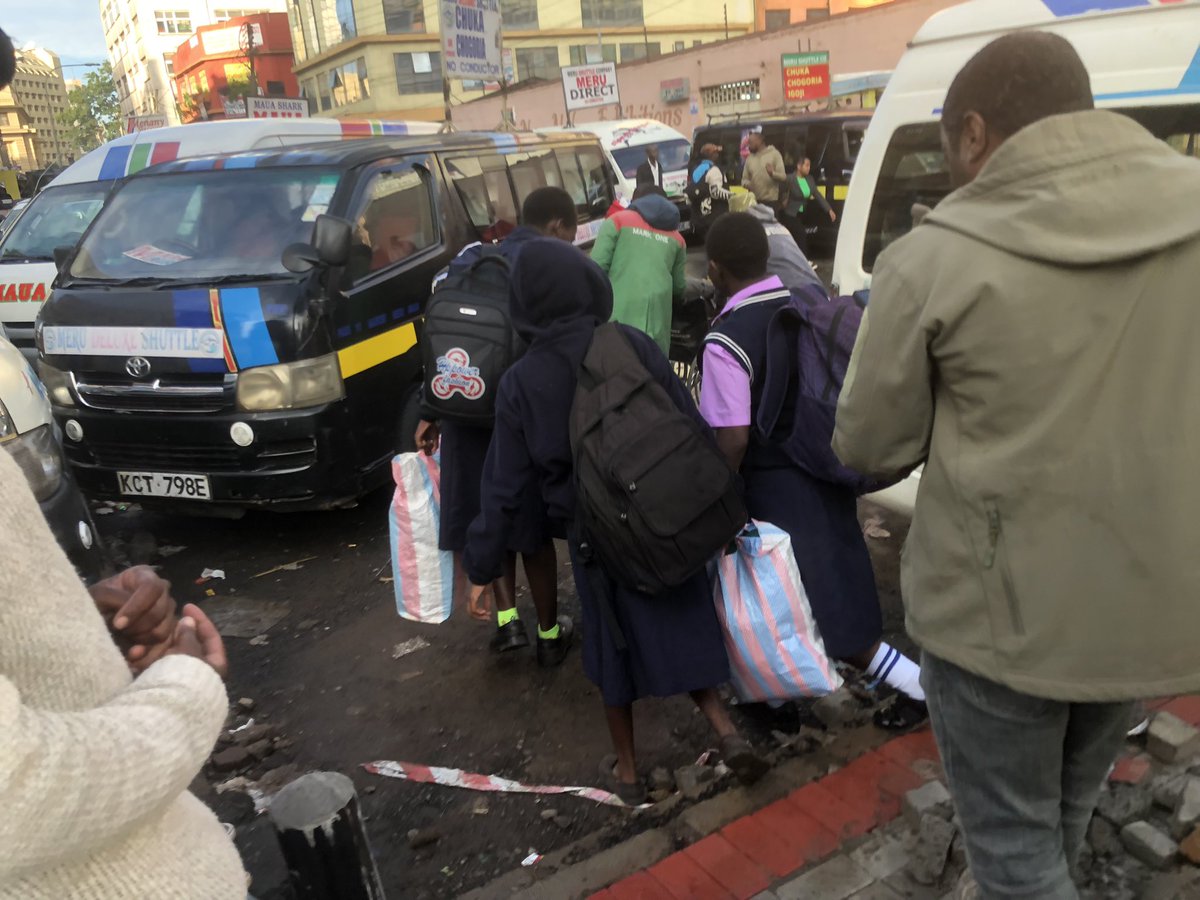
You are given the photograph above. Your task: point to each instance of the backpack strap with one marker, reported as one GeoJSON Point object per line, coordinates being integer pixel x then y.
{"type": "Point", "coordinates": [831, 348]}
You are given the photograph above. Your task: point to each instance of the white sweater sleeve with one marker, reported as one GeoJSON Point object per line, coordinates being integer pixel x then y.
{"type": "Point", "coordinates": [72, 782]}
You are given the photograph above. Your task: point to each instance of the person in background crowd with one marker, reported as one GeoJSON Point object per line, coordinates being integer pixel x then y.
{"type": "Point", "coordinates": [1033, 341]}
{"type": "Point", "coordinates": [787, 262]}
{"type": "Point", "coordinates": [821, 517]}
{"type": "Point", "coordinates": [650, 172]}
{"type": "Point", "coordinates": [95, 764]}
{"type": "Point", "coordinates": [644, 254]}
{"type": "Point", "coordinates": [709, 191]}
{"type": "Point", "coordinates": [802, 191]}
{"type": "Point", "coordinates": [547, 212]}
{"type": "Point", "coordinates": [763, 173]}
{"type": "Point", "coordinates": [673, 640]}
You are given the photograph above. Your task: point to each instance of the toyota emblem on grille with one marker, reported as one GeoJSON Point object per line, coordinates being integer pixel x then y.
{"type": "Point", "coordinates": [137, 366]}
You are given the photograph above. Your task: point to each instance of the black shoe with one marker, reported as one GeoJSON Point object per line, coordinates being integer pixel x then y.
{"type": "Point", "coordinates": [509, 637]}
{"type": "Point", "coordinates": [552, 651]}
{"type": "Point", "coordinates": [901, 714]}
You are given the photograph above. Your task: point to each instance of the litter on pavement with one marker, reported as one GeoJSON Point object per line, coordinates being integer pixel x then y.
{"type": "Point", "coordinates": [410, 646]}
{"type": "Point", "coordinates": [532, 859]}
{"type": "Point", "coordinates": [208, 574]}
{"type": "Point", "coordinates": [285, 567]}
{"type": "Point", "coordinates": [473, 781]}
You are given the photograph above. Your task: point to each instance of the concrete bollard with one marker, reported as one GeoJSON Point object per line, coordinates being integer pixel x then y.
{"type": "Point", "coordinates": [320, 830]}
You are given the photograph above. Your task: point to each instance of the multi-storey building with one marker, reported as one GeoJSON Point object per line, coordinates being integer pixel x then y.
{"type": "Point", "coordinates": [30, 131]}
{"type": "Point", "coordinates": [143, 35]}
{"type": "Point", "coordinates": [217, 64]}
{"type": "Point", "coordinates": [381, 57]}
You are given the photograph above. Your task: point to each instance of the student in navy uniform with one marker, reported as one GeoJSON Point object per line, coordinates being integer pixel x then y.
{"type": "Point", "coordinates": [821, 517]}
{"type": "Point", "coordinates": [547, 212]}
{"type": "Point", "coordinates": [673, 640]}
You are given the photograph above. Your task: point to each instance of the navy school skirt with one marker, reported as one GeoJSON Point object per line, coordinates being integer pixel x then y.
{"type": "Point", "coordinates": [464, 449]}
{"type": "Point", "coordinates": [835, 565]}
{"type": "Point", "coordinates": [673, 640]}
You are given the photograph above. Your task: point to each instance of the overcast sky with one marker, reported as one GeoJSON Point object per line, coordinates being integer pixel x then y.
{"type": "Point", "coordinates": [71, 28]}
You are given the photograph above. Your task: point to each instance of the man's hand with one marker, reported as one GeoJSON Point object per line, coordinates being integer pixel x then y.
{"type": "Point", "coordinates": [771, 169]}
{"type": "Point", "coordinates": [427, 437]}
{"type": "Point", "coordinates": [479, 602]}
{"type": "Point", "coordinates": [197, 636]}
{"type": "Point", "coordinates": [832, 216]}
{"type": "Point", "coordinates": [138, 607]}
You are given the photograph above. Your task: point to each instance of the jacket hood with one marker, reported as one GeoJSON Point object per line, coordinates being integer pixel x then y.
{"type": "Point", "coordinates": [1079, 189]}
{"type": "Point", "coordinates": [659, 212]}
{"type": "Point", "coordinates": [762, 212]}
{"type": "Point", "coordinates": [556, 289]}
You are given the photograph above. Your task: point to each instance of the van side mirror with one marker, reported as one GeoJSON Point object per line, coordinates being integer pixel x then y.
{"type": "Point", "coordinates": [61, 256]}
{"type": "Point", "coordinates": [330, 246]}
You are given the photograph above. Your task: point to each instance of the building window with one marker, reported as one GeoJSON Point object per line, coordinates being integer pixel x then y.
{"type": "Point", "coordinates": [224, 15]}
{"type": "Point", "coordinates": [349, 84]}
{"type": "Point", "coordinates": [537, 62]}
{"type": "Point", "coordinates": [817, 15]}
{"type": "Point", "coordinates": [519, 13]}
{"type": "Point", "coordinates": [680, 45]}
{"type": "Point", "coordinates": [345, 16]}
{"type": "Point", "coordinates": [697, 43]}
{"type": "Point", "coordinates": [276, 89]}
{"type": "Point", "coordinates": [172, 21]}
{"type": "Point", "coordinates": [730, 93]}
{"type": "Point", "coordinates": [589, 54]}
{"type": "Point", "coordinates": [404, 16]}
{"type": "Point", "coordinates": [641, 50]}
{"type": "Point", "coordinates": [778, 18]}
{"type": "Point", "coordinates": [169, 64]}
{"type": "Point", "coordinates": [418, 73]}
{"type": "Point", "coordinates": [602, 13]}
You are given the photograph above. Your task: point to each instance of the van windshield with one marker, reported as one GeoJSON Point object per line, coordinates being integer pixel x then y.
{"type": "Point", "coordinates": [56, 217]}
{"type": "Point", "coordinates": [197, 226]}
{"type": "Point", "coordinates": [672, 156]}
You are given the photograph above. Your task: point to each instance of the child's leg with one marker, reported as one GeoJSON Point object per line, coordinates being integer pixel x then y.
{"type": "Point", "coordinates": [504, 589]}
{"type": "Point", "coordinates": [709, 703]}
{"type": "Point", "coordinates": [541, 568]}
{"type": "Point", "coordinates": [887, 664]}
{"type": "Point", "coordinates": [620, 728]}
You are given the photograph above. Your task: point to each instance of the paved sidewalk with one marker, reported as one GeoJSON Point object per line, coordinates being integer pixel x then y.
{"type": "Point", "coordinates": [836, 838]}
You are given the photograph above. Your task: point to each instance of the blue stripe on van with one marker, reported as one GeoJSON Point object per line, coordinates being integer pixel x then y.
{"type": "Point", "coordinates": [1188, 84]}
{"type": "Point", "coordinates": [192, 310]}
{"type": "Point", "coordinates": [1063, 8]}
{"type": "Point", "coordinates": [242, 312]}
{"type": "Point", "coordinates": [114, 163]}
{"type": "Point", "coordinates": [241, 162]}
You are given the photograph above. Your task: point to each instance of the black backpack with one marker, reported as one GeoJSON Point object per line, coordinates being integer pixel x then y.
{"type": "Point", "coordinates": [705, 207]}
{"type": "Point", "coordinates": [468, 341]}
{"type": "Point", "coordinates": [656, 499]}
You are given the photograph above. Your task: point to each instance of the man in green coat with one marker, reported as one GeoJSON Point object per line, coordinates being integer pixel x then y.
{"type": "Point", "coordinates": [645, 256]}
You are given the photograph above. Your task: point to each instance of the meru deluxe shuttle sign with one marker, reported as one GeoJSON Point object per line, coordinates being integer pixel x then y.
{"type": "Point", "coordinates": [586, 87]}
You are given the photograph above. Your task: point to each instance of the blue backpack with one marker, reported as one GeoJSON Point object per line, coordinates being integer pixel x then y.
{"type": "Point", "coordinates": [809, 342]}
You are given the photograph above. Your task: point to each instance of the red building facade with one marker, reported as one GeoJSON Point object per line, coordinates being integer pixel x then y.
{"type": "Point", "coordinates": [220, 64]}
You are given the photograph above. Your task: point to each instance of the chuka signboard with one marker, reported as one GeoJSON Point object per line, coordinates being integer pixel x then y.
{"type": "Point", "coordinates": [471, 39]}
{"type": "Point", "coordinates": [586, 87]}
{"type": "Point", "coordinates": [806, 75]}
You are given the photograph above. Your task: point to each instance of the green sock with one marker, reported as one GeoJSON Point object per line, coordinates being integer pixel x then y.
{"type": "Point", "coordinates": [550, 635]}
{"type": "Point", "coordinates": [504, 616]}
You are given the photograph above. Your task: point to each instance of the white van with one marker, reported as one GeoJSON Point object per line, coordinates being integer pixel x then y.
{"type": "Point", "coordinates": [59, 215]}
{"type": "Point", "coordinates": [625, 144]}
{"type": "Point", "coordinates": [1144, 60]}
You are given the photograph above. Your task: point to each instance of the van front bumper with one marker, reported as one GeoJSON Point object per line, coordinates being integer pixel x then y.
{"type": "Point", "coordinates": [297, 459]}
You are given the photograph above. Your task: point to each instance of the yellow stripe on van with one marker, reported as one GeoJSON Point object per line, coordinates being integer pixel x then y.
{"type": "Point", "coordinates": [375, 350]}
{"type": "Point", "coordinates": [839, 191]}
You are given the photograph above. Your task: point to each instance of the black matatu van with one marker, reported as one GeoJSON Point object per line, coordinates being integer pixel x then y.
{"type": "Point", "coordinates": [241, 331]}
{"type": "Point", "coordinates": [830, 139]}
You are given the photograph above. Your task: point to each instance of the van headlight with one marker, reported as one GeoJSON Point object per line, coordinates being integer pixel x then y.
{"type": "Point", "coordinates": [310, 382]}
{"type": "Point", "coordinates": [39, 457]}
{"type": "Point", "coordinates": [58, 384]}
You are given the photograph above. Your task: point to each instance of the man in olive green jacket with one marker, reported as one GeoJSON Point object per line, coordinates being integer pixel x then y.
{"type": "Point", "coordinates": [1033, 341]}
{"type": "Point", "coordinates": [763, 172]}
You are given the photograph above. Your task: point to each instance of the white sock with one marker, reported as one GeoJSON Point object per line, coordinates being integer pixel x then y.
{"type": "Point", "coordinates": [896, 670]}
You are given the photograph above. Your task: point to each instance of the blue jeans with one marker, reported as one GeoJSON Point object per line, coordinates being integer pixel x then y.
{"type": "Point", "coordinates": [1025, 774]}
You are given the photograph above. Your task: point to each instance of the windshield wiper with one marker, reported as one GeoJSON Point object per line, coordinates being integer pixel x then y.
{"type": "Point", "coordinates": [22, 258]}
{"type": "Point", "coordinates": [145, 280]}
{"type": "Point", "coordinates": [231, 279]}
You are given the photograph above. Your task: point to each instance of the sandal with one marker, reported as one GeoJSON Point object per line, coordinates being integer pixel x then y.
{"type": "Point", "coordinates": [901, 714]}
{"type": "Point", "coordinates": [631, 794]}
{"type": "Point", "coordinates": [747, 765]}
